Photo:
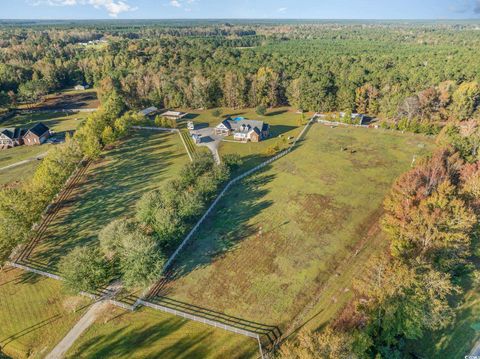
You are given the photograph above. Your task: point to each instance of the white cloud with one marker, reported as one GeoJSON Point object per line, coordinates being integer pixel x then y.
{"type": "Point", "coordinates": [113, 7]}
{"type": "Point", "coordinates": [282, 10]}
{"type": "Point", "coordinates": [182, 4]}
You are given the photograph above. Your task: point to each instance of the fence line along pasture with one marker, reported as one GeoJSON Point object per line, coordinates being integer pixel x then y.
{"type": "Point", "coordinates": [164, 129]}
{"type": "Point", "coordinates": [227, 187]}
{"type": "Point", "coordinates": [139, 302]}
{"type": "Point", "coordinates": [36, 271]}
{"type": "Point", "coordinates": [176, 312]}
{"type": "Point", "coordinates": [203, 320]}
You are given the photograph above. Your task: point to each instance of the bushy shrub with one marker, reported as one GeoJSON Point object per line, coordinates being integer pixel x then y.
{"type": "Point", "coordinates": [84, 269]}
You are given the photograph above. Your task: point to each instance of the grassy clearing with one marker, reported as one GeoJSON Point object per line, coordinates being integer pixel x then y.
{"type": "Point", "coordinates": [56, 121]}
{"type": "Point", "coordinates": [278, 239]}
{"type": "Point", "coordinates": [18, 173]}
{"type": "Point", "coordinates": [153, 334]}
{"type": "Point", "coordinates": [20, 153]}
{"type": "Point", "coordinates": [67, 99]}
{"type": "Point", "coordinates": [110, 190]}
{"type": "Point", "coordinates": [34, 313]}
{"type": "Point", "coordinates": [283, 121]}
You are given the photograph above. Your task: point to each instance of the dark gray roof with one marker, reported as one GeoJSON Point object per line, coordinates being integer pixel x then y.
{"type": "Point", "coordinates": [8, 132]}
{"type": "Point", "coordinates": [13, 133]}
{"type": "Point", "coordinates": [39, 129]}
{"type": "Point", "coordinates": [237, 125]}
{"type": "Point", "coordinates": [227, 123]}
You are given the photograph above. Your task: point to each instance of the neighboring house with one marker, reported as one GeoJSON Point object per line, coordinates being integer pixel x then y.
{"type": "Point", "coordinates": [37, 135]}
{"type": "Point", "coordinates": [174, 115]}
{"type": "Point", "coordinates": [11, 137]}
{"type": "Point", "coordinates": [243, 130]}
{"type": "Point", "coordinates": [81, 87]}
{"type": "Point", "coordinates": [150, 111]}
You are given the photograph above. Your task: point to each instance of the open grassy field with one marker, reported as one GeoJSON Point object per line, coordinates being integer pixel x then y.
{"type": "Point", "coordinates": [282, 236]}
{"type": "Point", "coordinates": [66, 99]}
{"type": "Point", "coordinates": [18, 173]}
{"type": "Point", "coordinates": [34, 313]}
{"type": "Point", "coordinates": [283, 121]}
{"type": "Point", "coordinates": [56, 121]}
{"type": "Point", "coordinates": [110, 190]}
{"type": "Point", "coordinates": [152, 334]}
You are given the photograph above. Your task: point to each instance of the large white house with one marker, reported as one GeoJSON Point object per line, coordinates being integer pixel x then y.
{"type": "Point", "coordinates": [243, 130]}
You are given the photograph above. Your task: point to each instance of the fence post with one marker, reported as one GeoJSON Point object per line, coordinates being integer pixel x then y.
{"type": "Point", "coordinates": [260, 346]}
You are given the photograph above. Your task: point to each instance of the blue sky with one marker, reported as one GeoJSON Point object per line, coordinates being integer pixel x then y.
{"type": "Point", "coordinates": [318, 9]}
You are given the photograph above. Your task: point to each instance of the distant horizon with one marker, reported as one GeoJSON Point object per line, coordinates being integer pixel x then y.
{"type": "Point", "coordinates": [243, 18]}
{"type": "Point", "coordinates": [402, 10]}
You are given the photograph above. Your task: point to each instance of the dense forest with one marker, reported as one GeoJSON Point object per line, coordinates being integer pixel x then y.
{"type": "Point", "coordinates": [424, 71]}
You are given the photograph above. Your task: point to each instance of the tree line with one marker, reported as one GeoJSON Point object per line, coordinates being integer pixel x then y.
{"type": "Point", "coordinates": [421, 76]}
{"type": "Point", "coordinates": [22, 205]}
{"type": "Point", "coordinates": [136, 248]}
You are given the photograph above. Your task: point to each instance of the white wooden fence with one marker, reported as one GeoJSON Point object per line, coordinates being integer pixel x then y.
{"type": "Point", "coordinates": [164, 129]}
{"type": "Point", "coordinates": [161, 129]}
{"type": "Point", "coordinates": [36, 271]}
{"type": "Point", "coordinates": [195, 318]}
{"type": "Point", "coordinates": [63, 110]}
{"type": "Point", "coordinates": [177, 312]}
{"type": "Point", "coordinates": [227, 187]}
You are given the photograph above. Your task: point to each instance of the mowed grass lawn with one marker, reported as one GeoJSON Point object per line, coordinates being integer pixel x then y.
{"type": "Point", "coordinates": [276, 239]}
{"type": "Point", "coordinates": [153, 334]}
{"type": "Point", "coordinates": [283, 121]}
{"type": "Point", "coordinates": [58, 122]}
{"type": "Point", "coordinates": [110, 190]}
{"type": "Point", "coordinates": [34, 313]}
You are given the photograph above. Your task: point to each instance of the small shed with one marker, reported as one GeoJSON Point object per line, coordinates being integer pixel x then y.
{"type": "Point", "coordinates": [81, 87]}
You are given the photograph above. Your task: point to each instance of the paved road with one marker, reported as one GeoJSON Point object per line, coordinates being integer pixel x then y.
{"type": "Point", "coordinates": [86, 321]}
{"type": "Point", "coordinates": [16, 164]}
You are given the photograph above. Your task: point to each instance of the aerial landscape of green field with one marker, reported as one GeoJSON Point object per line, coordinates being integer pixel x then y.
{"type": "Point", "coordinates": [109, 190]}
{"type": "Point", "coordinates": [286, 229]}
{"type": "Point", "coordinates": [35, 313]}
{"type": "Point", "coordinates": [149, 333]}
{"type": "Point", "coordinates": [203, 179]}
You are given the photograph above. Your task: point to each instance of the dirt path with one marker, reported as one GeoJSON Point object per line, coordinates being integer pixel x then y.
{"type": "Point", "coordinates": [86, 321]}
{"type": "Point", "coordinates": [16, 164]}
